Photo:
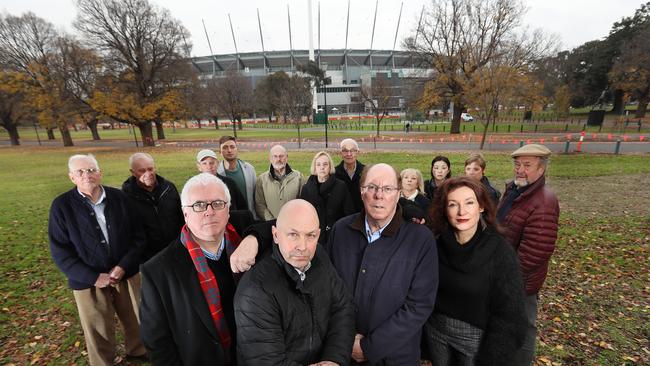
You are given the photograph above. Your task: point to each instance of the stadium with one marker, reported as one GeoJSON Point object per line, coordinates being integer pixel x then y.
{"type": "Point", "coordinates": [348, 70]}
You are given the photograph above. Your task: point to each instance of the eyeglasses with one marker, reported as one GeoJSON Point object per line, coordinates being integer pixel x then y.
{"type": "Point", "coordinates": [346, 151]}
{"type": "Point", "coordinates": [385, 189]}
{"type": "Point", "coordinates": [80, 172]}
{"type": "Point", "coordinates": [201, 206]}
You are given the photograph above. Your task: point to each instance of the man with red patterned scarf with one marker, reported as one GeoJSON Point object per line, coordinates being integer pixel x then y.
{"type": "Point", "coordinates": [188, 288]}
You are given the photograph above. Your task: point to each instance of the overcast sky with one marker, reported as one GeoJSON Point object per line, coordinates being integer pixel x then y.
{"type": "Point", "coordinates": [574, 21]}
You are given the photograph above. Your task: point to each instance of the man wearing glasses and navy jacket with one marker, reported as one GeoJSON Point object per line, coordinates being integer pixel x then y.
{"type": "Point", "coordinates": [95, 244]}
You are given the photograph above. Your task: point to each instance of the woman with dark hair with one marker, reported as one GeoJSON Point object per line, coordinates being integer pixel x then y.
{"type": "Point", "coordinates": [326, 193]}
{"type": "Point", "coordinates": [440, 170]}
{"type": "Point", "coordinates": [478, 318]}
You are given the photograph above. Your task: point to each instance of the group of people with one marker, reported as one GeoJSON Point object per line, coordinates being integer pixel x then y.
{"type": "Point", "coordinates": [354, 265]}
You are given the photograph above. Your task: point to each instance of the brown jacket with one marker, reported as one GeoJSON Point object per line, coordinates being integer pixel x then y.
{"type": "Point", "coordinates": [531, 227]}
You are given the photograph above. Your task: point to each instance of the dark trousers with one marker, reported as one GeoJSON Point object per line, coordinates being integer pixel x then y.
{"type": "Point", "coordinates": [526, 354]}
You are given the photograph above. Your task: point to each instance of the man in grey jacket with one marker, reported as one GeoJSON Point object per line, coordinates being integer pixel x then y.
{"type": "Point", "coordinates": [242, 172]}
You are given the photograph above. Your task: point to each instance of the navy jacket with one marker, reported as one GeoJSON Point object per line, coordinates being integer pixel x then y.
{"type": "Point", "coordinates": [76, 239]}
{"type": "Point", "coordinates": [393, 281]}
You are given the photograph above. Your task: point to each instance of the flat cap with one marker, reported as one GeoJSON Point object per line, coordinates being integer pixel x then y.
{"type": "Point", "coordinates": [532, 150]}
{"type": "Point", "coordinates": [205, 153]}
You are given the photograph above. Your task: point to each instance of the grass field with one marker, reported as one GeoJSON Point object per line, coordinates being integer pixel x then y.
{"type": "Point", "coordinates": [594, 307]}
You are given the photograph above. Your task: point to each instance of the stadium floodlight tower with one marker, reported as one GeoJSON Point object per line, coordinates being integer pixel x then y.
{"type": "Point", "coordinates": [314, 101]}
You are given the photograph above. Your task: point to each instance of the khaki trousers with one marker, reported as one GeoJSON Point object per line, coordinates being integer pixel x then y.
{"type": "Point", "coordinates": [97, 308]}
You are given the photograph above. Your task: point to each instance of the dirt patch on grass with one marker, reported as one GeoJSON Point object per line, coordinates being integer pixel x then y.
{"type": "Point", "coordinates": [620, 195]}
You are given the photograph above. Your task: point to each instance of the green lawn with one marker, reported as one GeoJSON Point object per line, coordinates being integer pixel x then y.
{"type": "Point", "coordinates": [598, 285]}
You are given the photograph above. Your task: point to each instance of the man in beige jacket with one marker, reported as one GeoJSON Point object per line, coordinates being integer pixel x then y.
{"type": "Point", "coordinates": [277, 186]}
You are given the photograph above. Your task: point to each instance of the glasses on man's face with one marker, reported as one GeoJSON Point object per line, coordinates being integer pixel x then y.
{"type": "Point", "coordinates": [80, 172]}
{"type": "Point", "coordinates": [346, 151]}
{"type": "Point", "coordinates": [385, 189]}
{"type": "Point", "coordinates": [201, 206]}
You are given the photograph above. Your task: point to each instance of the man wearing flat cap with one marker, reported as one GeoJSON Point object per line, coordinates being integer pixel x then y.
{"type": "Point", "coordinates": [529, 213]}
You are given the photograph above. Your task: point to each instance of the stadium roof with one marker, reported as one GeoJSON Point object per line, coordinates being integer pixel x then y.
{"type": "Point", "coordinates": [286, 60]}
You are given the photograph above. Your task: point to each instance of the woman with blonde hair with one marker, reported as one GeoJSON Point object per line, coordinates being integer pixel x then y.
{"type": "Point", "coordinates": [413, 188]}
{"type": "Point", "coordinates": [326, 193]}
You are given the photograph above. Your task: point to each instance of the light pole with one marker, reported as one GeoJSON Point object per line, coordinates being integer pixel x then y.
{"type": "Point", "coordinates": [326, 82]}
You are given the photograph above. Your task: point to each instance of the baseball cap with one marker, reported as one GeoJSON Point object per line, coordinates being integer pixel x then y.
{"type": "Point", "coordinates": [205, 153]}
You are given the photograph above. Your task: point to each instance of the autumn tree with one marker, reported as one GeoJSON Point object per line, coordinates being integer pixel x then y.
{"type": "Point", "coordinates": [80, 67]}
{"type": "Point", "coordinates": [295, 98]}
{"type": "Point", "coordinates": [376, 96]}
{"type": "Point", "coordinates": [144, 52]}
{"type": "Point", "coordinates": [232, 96]}
{"type": "Point", "coordinates": [501, 84]}
{"type": "Point", "coordinates": [631, 71]}
{"type": "Point", "coordinates": [197, 106]}
{"type": "Point", "coordinates": [28, 44]}
{"type": "Point", "coordinates": [562, 101]}
{"type": "Point", "coordinates": [457, 38]}
{"type": "Point", "coordinates": [427, 96]}
{"type": "Point", "coordinates": [14, 106]}
{"type": "Point", "coordinates": [268, 93]}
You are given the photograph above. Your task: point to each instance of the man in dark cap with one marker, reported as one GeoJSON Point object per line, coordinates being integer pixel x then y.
{"type": "Point", "coordinates": [529, 213]}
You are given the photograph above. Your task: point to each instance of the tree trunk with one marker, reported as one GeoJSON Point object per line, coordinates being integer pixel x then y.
{"type": "Point", "coordinates": [485, 130]}
{"type": "Point", "coordinates": [12, 130]}
{"type": "Point", "coordinates": [92, 125]}
{"type": "Point", "coordinates": [455, 121]}
{"type": "Point", "coordinates": [50, 133]}
{"type": "Point", "coordinates": [642, 107]}
{"type": "Point", "coordinates": [619, 105]}
{"type": "Point", "coordinates": [241, 126]}
{"type": "Point", "coordinates": [378, 123]}
{"type": "Point", "coordinates": [65, 135]}
{"type": "Point", "coordinates": [160, 131]}
{"type": "Point", "coordinates": [198, 122]}
{"type": "Point", "coordinates": [233, 120]}
{"type": "Point", "coordinates": [216, 122]}
{"type": "Point", "coordinates": [146, 132]}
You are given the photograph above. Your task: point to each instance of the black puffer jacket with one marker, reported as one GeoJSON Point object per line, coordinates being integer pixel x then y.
{"type": "Point", "coordinates": [284, 321]}
{"type": "Point", "coordinates": [159, 212]}
{"type": "Point", "coordinates": [331, 200]}
{"type": "Point", "coordinates": [353, 183]}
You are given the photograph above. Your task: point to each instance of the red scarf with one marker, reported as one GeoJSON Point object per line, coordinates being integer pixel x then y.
{"type": "Point", "coordinates": [209, 283]}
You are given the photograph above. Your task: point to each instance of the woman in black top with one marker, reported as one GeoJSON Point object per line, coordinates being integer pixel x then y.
{"type": "Point", "coordinates": [328, 194]}
{"type": "Point", "coordinates": [478, 318]}
{"type": "Point", "coordinates": [440, 170]}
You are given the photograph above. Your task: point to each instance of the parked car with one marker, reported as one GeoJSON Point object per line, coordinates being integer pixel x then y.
{"type": "Point", "coordinates": [466, 117]}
